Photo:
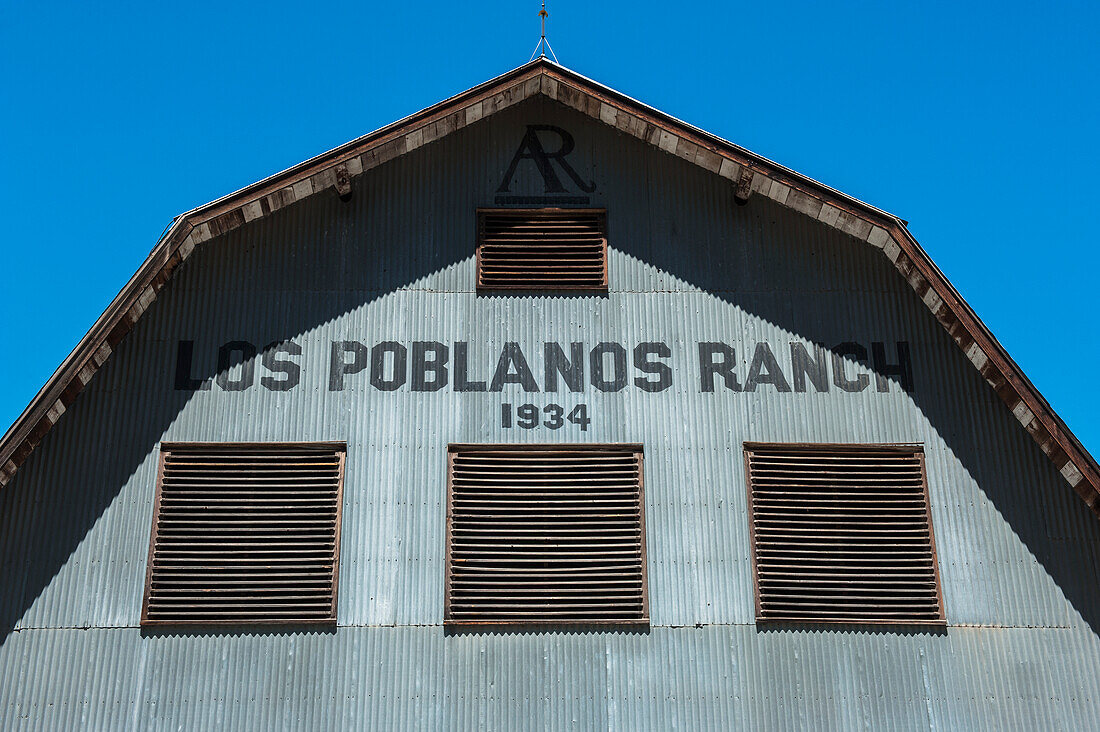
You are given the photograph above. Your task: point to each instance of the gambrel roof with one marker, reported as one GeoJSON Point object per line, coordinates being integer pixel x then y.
{"type": "Point", "coordinates": [749, 174]}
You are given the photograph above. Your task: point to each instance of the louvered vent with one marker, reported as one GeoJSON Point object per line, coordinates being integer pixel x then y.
{"type": "Point", "coordinates": [543, 249]}
{"type": "Point", "coordinates": [842, 534]}
{"type": "Point", "coordinates": [245, 533]}
{"type": "Point", "coordinates": [545, 534]}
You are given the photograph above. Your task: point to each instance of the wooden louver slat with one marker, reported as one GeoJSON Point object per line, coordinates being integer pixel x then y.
{"type": "Point", "coordinates": [245, 533]}
{"type": "Point", "coordinates": [545, 534]}
{"type": "Point", "coordinates": [542, 249]}
{"type": "Point", "coordinates": [842, 534]}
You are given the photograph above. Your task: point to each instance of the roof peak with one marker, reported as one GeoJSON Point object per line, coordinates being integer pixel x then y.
{"type": "Point", "coordinates": [543, 43]}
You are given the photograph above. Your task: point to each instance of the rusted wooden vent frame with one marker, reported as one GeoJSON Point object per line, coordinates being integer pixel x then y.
{"type": "Point", "coordinates": [842, 534]}
{"type": "Point", "coordinates": [542, 249]}
{"type": "Point", "coordinates": [545, 534]}
{"type": "Point", "coordinates": [245, 533]}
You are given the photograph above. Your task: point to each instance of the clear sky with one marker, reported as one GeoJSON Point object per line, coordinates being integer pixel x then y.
{"type": "Point", "coordinates": [976, 123]}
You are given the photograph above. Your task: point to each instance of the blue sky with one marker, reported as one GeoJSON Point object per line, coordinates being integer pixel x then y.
{"type": "Point", "coordinates": [978, 124]}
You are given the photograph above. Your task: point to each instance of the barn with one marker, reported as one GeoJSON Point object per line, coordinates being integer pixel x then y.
{"type": "Point", "coordinates": [542, 409]}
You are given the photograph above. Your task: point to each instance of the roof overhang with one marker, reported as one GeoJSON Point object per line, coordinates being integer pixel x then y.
{"type": "Point", "coordinates": [749, 174]}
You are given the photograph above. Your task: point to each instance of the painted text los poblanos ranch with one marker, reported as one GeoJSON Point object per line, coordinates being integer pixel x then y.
{"type": "Point", "coordinates": [649, 366]}
{"type": "Point", "coordinates": [552, 367]}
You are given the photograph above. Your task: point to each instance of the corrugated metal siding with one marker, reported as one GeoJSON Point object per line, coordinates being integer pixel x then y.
{"type": "Point", "coordinates": [1018, 552]}
{"type": "Point", "coordinates": [714, 677]}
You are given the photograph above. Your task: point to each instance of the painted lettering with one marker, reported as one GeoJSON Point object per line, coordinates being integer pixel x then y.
{"type": "Point", "coordinates": [597, 364]}
{"type": "Point", "coordinates": [462, 370]}
{"type": "Point", "coordinates": [185, 351]}
{"type": "Point", "coordinates": [903, 369]}
{"type": "Point", "coordinates": [511, 357]}
{"type": "Point", "coordinates": [339, 366]}
{"type": "Point", "coordinates": [570, 369]}
{"type": "Point", "coordinates": [276, 365]}
{"type": "Point", "coordinates": [709, 367]}
{"type": "Point", "coordinates": [764, 369]}
{"type": "Point", "coordinates": [643, 363]}
{"type": "Point", "coordinates": [398, 364]}
{"type": "Point", "coordinates": [422, 366]}
{"type": "Point", "coordinates": [840, 373]}
{"type": "Point", "coordinates": [227, 362]}
{"type": "Point", "coordinates": [530, 148]}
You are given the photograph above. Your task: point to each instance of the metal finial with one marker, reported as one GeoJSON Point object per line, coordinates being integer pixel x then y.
{"type": "Point", "coordinates": [543, 44]}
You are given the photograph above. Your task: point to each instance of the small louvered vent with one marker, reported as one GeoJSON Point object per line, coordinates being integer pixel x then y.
{"type": "Point", "coordinates": [245, 533]}
{"type": "Point", "coordinates": [544, 249]}
{"type": "Point", "coordinates": [842, 534]}
{"type": "Point", "coordinates": [545, 534]}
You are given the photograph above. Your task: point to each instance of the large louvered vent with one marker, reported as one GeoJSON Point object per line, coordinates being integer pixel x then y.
{"type": "Point", "coordinates": [545, 534]}
{"type": "Point", "coordinates": [842, 534]}
{"type": "Point", "coordinates": [542, 249]}
{"type": "Point", "coordinates": [245, 533]}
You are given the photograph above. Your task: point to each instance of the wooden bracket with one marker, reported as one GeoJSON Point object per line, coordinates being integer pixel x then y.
{"type": "Point", "coordinates": [744, 187]}
{"type": "Point", "coordinates": [343, 183]}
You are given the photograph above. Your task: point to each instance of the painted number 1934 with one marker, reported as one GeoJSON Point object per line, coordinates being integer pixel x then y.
{"type": "Point", "coordinates": [528, 416]}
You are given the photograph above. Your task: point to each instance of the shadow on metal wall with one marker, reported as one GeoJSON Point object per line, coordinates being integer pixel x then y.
{"type": "Point", "coordinates": [48, 529]}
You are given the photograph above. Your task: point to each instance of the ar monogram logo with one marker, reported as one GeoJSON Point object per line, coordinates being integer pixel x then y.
{"type": "Point", "coordinates": [531, 148]}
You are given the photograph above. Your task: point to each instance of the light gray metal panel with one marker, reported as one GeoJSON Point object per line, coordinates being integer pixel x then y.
{"type": "Point", "coordinates": [1018, 552]}
{"type": "Point", "coordinates": [712, 677]}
